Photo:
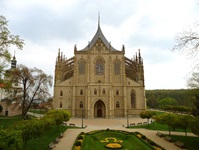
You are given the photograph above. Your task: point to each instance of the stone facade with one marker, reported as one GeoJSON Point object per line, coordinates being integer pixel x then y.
{"type": "Point", "coordinates": [99, 81]}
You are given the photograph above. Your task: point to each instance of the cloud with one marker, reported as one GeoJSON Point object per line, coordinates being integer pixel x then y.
{"type": "Point", "coordinates": [149, 25]}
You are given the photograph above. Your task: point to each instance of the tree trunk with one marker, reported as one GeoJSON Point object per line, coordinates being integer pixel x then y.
{"type": "Point", "coordinates": [169, 130]}
{"type": "Point", "coordinates": [185, 132]}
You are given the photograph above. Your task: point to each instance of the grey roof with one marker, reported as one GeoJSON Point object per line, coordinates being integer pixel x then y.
{"type": "Point", "coordinates": [98, 35]}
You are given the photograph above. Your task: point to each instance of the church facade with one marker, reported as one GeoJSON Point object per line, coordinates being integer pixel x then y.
{"type": "Point", "coordinates": [99, 81]}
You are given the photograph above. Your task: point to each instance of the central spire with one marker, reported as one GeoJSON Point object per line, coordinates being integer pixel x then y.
{"type": "Point", "coordinates": [98, 19]}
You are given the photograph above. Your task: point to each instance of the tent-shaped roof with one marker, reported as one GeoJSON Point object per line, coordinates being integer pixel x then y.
{"type": "Point", "coordinates": [98, 35]}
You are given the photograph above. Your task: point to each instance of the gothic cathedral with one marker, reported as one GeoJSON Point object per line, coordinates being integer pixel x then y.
{"type": "Point", "coordinates": [99, 81]}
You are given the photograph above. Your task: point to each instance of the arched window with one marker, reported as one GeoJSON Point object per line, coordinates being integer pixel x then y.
{"type": "Point", "coordinates": [133, 98]}
{"type": "Point", "coordinates": [95, 92]}
{"type": "Point", "coordinates": [82, 66]}
{"type": "Point", "coordinates": [61, 93]}
{"type": "Point", "coordinates": [81, 104]}
{"type": "Point", "coordinates": [117, 92]}
{"type": "Point", "coordinates": [117, 67]}
{"type": "Point", "coordinates": [60, 105]}
{"type": "Point", "coordinates": [104, 92]}
{"type": "Point", "coordinates": [99, 66]}
{"type": "Point", "coordinates": [117, 104]}
{"type": "Point", "coordinates": [81, 92]}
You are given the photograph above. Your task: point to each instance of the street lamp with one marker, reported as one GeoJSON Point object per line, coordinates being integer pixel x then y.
{"type": "Point", "coordinates": [82, 118]}
{"type": "Point", "coordinates": [127, 119]}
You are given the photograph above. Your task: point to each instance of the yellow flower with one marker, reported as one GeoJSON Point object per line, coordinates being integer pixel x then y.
{"type": "Point", "coordinates": [77, 147]}
{"type": "Point", "coordinates": [139, 136]}
{"type": "Point", "coordinates": [113, 145]}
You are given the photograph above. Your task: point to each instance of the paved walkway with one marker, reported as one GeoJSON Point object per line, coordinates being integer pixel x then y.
{"type": "Point", "coordinates": [70, 135]}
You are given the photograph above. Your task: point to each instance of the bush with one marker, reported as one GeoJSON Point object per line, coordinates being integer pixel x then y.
{"type": "Point", "coordinates": [151, 143]}
{"type": "Point", "coordinates": [143, 137]}
{"type": "Point", "coordinates": [80, 137]}
{"type": "Point", "coordinates": [78, 143]}
{"type": "Point", "coordinates": [10, 139]}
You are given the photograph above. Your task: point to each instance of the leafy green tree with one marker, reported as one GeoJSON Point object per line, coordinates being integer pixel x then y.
{"type": "Point", "coordinates": [196, 105]}
{"type": "Point", "coordinates": [194, 125]}
{"type": "Point", "coordinates": [167, 119]}
{"type": "Point", "coordinates": [183, 122]}
{"type": "Point", "coordinates": [59, 116]}
{"type": "Point", "coordinates": [152, 103]}
{"type": "Point", "coordinates": [167, 103]}
{"type": "Point", "coordinates": [30, 129]}
{"type": "Point", "coordinates": [10, 139]}
{"type": "Point", "coordinates": [35, 85]}
{"type": "Point", "coordinates": [147, 114]}
{"type": "Point", "coordinates": [48, 123]}
{"type": "Point", "coordinates": [6, 41]}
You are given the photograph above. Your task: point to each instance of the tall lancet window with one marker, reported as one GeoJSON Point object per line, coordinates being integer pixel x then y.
{"type": "Point", "coordinates": [82, 65]}
{"type": "Point", "coordinates": [99, 66]}
{"type": "Point", "coordinates": [133, 99]}
{"type": "Point", "coordinates": [117, 65]}
{"type": "Point", "coordinates": [81, 104]}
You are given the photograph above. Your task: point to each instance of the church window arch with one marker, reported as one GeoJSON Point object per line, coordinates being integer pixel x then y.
{"type": "Point", "coordinates": [61, 93]}
{"type": "Point", "coordinates": [81, 104]}
{"type": "Point", "coordinates": [81, 92]}
{"type": "Point", "coordinates": [117, 92]}
{"type": "Point", "coordinates": [104, 91]}
{"type": "Point", "coordinates": [60, 105]}
{"type": "Point", "coordinates": [117, 67]}
{"type": "Point", "coordinates": [99, 66]}
{"type": "Point", "coordinates": [133, 99]}
{"type": "Point", "coordinates": [117, 104]}
{"type": "Point", "coordinates": [95, 92]}
{"type": "Point", "coordinates": [82, 66]}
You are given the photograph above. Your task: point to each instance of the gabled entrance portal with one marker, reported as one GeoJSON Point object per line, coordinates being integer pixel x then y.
{"type": "Point", "coordinates": [99, 109]}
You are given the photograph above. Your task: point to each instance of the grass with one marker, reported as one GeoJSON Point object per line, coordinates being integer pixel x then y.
{"type": "Point", "coordinates": [156, 126]}
{"type": "Point", "coordinates": [5, 122]}
{"type": "Point", "coordinates": [42, 142]}
{"type": "Point", "coordinates": [157, 113]}
{"type": "Point", "coordinates": [130, 141]}
{"type": "Point", "coordinates": [38, 111]}
{"type": "Point", "coordinates": [39, 143]}
{"type": "Point", "coordinates": [191, 143]}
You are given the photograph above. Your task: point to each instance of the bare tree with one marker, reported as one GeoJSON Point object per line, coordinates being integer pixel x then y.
{"type": "Point", "coordinates": [35, 85]}
{"type": "Point", "coordinates": [188, 41]}
{"type": "Point", "coordinates": [193, 81]}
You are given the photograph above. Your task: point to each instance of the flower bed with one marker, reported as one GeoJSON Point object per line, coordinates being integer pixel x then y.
{"type": "Point", "coordinates": [113, 139]}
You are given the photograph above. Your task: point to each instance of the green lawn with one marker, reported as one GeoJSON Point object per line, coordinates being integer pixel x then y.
{"type": "Point", "coordinates": [38, 111]}
{"type": "Point", "coordinates": [5, 122]}
{"type": "Point", "coordinates": [156, 126]}
{"type": "Point", "coordinates": [191, 143]}
{"type": "Point", "coordinates": [41, 143]}
{"type": "Point", "coordinates": [129, 141]}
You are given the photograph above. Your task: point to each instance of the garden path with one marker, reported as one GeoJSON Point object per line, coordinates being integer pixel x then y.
{"type": "Point", "coordinates": [70, 135]}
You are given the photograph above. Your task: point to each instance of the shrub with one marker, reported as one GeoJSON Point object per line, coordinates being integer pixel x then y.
{"type": "Point", "coordinates": [151, 143]}
{"type": "Point", "coordinates": [143, 137]}
{"type": "Point", "coordinates": [10, 139]}
{"type": "Point", "coordinates": [80, 137]}
{"type": "Point", "coordinates": [78, 143]}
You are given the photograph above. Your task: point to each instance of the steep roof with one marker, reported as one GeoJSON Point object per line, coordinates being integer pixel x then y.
{"type": "Point", "coordinates": [98, 35]}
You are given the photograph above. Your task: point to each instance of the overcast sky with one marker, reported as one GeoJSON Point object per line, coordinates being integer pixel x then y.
{"type": "Point", "coordinates": [148, 25]}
